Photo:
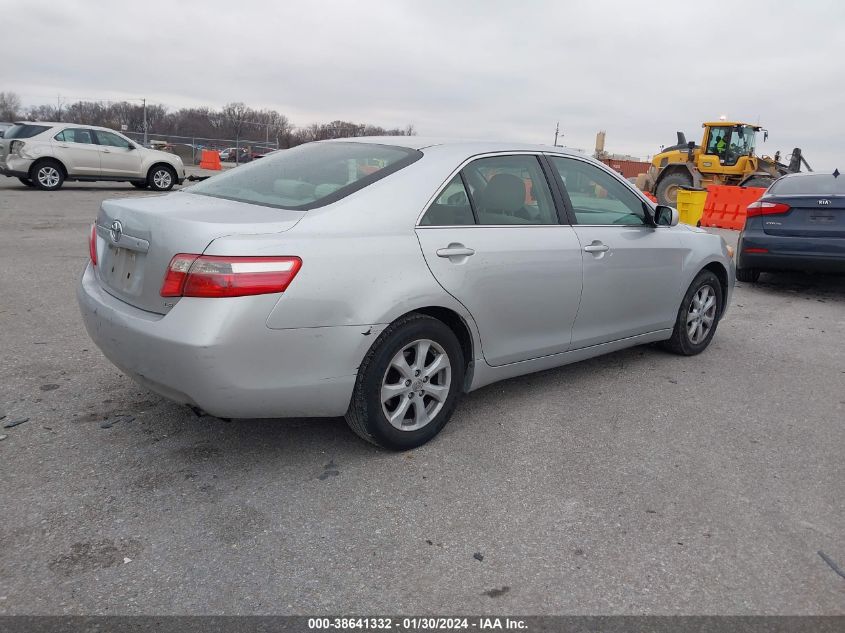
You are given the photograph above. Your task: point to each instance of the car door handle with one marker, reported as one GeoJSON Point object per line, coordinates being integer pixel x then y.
{"type": "Point", "coordinates": [455, 250]}
{"type": "Point", "coordinates": [597, 247]}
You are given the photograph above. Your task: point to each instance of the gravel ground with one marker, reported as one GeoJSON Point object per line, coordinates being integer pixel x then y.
{"type": "Point", "coordinates": [639, 482]}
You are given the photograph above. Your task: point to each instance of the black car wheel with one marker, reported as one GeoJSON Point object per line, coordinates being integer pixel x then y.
{"type": "Point", "coordinates": [408, 384]}
{"type": "Point", "coordinates": [748, 275]}
{"type": "Point", "coordinates": [161, 178]}
{"type": "Point", "coordinates": [698, 316]}
{"type": "Point", "coordinates": [47, 175]}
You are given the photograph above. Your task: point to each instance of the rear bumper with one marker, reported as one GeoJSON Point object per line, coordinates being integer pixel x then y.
{"type": "Point", "coordinates": [219, 354]}
{"type": "Point", "coordinates": [15, 167]}
{"type": "Point", "coordinates": [791, 253]}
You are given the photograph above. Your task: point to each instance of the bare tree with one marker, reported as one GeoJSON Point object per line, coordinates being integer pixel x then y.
{"type": "Point", "coordinates": [10, 106]}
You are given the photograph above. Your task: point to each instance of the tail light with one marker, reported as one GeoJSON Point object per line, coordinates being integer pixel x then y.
{"type": "Point", "coordinates": [766, 208]}
{"type": "Point", "coordinates": [213, 276]}
{"type": "Point", "coordinates": [92, 244]}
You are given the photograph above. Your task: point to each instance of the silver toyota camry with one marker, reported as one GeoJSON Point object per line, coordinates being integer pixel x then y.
{"type": "Point", "coordinates": [382, 278]}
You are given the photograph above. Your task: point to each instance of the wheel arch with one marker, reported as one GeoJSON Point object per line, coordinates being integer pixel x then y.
{"type": "Point", "coordinates": [459, 326]}
{"type": "Point", "coordinates": [47, 159]}
{"type": "Point", "coordinates": [677, 168]}
{"type": "Point", "coordinates": [722, 275]}
{"type": "Point", "coordinates": [161, 163]}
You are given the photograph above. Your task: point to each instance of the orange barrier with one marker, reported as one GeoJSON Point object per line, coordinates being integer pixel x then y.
{"type": "Point", "coordinates": [726, 206]}
{"type": "Point", "coordinates": [649, 196]}
{"type": "Point", "coordinates": [210, 160]}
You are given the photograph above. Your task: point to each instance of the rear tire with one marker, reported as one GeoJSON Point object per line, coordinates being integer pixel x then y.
{"type": "Point", "coordinates": [161, 178]}
{"type": "Point", "coordinates": [27, 182]}
{"type": "Point", "coordinates": [666, 191]}
{"type": "Point", "coordinates": [698, 316]}
{"type": "Point", "coordinates": [47, 175]}
{"type": "Point", "coordinates": [415, 355]}
{"type": "Point", "coordinates": [748, 275]}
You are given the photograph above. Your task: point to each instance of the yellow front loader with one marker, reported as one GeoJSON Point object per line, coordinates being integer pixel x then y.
{"type": "Point", "coordinates": [725, 157]}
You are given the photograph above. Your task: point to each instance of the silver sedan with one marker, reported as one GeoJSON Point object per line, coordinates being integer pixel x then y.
{"type": "Point", "coordinates": [382, 278]}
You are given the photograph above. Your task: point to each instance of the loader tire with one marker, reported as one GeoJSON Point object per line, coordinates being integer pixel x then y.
{"type": "Point", "coordinates": [667, 189]}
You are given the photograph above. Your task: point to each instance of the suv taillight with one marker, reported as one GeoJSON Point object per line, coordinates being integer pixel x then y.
{"type": "Point", "coordinates": [766, 208]}
{"type": "Point", "coordinates": [215, 276]}
{"type": "Point", "coordinates": [92, 244]}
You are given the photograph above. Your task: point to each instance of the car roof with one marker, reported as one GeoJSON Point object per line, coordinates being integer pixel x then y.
{"type": "Point", "coordinates": [472, 146]}
{"type": "Point", "coordinates": [52, 124]}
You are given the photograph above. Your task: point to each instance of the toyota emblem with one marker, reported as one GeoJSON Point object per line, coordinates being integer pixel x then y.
{"type": "Point", "coordinates": [115, 231]}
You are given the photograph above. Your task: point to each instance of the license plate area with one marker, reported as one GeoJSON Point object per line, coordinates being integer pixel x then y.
{"type": "Point", "coordinates": [822, 218]}
{"type": "Point", "coordinates": [123, 269]}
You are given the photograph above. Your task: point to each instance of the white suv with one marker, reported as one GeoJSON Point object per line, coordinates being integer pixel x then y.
{"type": "Point", "coordinates": [44, 155]}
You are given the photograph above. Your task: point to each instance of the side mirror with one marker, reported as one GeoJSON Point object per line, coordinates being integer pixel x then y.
{"type": "Point", "coordinates": [666, 216]}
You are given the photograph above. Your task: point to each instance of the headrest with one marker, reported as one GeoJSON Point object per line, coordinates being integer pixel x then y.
{"type": "Point", "coordinates": [504, 193]}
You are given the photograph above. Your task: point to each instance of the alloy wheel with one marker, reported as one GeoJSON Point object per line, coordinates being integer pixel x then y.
{"type": "Point", "coordinates": [162, 179]}
{"type": "Point", "coordinates": [701, 314]}
{"type": "Point", "coordinates": [416, 385]}
{"type": "Point", "coordinates": [48, 176]}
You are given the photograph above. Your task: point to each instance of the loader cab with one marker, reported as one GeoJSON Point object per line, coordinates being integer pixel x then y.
{"type": "Point", "coordinates": [727, 147]}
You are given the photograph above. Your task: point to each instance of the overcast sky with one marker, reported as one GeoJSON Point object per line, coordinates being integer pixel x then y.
{"type": "Point", "coordinates": [473, 68]}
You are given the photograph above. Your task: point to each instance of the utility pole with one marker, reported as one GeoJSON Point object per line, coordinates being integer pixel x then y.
{"type": "Point", "coordinates": [145, 120]}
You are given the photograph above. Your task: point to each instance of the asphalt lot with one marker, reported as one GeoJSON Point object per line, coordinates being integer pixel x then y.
{"type": "Point", "coordinates": [639, 482]}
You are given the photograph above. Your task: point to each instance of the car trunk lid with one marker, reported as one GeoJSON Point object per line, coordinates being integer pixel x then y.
{"type": "Point", "coordinates": [809, 217]}
{"type": "Point", "coordinates": [137, 238]}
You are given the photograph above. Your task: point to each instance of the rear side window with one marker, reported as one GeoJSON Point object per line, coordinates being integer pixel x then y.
{"type": "Point", "coordinates": [75, 135]}
{"type": "Point", "coordinates": [810, 185]}
{"type": "Point", "coordinates": [510, 190]}
{"type": "Point", "coordinates": [25, 131]}
{"type": "Point", "coordinates": [308, 176]}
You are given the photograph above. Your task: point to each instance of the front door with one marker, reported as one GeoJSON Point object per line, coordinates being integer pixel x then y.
{"type": "Point", "coordinates": [78, 150]}
{"type": "Point", "coordinates": [632, 270]}
{"type": "Point", "coordinates": [492, 239]}
{"type": "Point", "coordinates": [118, 157]}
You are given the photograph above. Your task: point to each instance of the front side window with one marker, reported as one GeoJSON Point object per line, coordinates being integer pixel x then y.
{"type": "Point", "coordinates": [308, 176]}
{"type": "Point", "coordinates": [510, 190]}
{"type": "Point", "coordinates": [111, 140]}
{"type": "Point", "coordinates": [597, 198]}
{"type": "Point", "coordinates": [451, 207]}
{"type": "Point", "coordinates": [75, 135]}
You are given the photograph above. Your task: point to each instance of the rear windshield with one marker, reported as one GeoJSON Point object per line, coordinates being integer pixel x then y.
{"type": "Point", "coordinates": [25, 131]}
{"type": "Point", "coordinates": [810, 185]}
{"type": "Point", "coordinates": [308, 176]}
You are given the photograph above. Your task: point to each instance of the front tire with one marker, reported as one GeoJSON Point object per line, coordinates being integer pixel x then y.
{"type": "Point", "coordinates": [666, 191]}
{"type": "Point", "coordinates": [698, 316]}
{"type": "Point", "coordinates": [408, 384]}
{"type": "Point", "coordinates": [161, 178]}
{"type": "Point", "coordinates": [47, 175]}
{"type": "Point", "coordinates": [747, 275]}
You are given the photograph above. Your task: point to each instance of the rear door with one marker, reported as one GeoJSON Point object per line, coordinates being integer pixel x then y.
{"type": "Point", "coordinates": [118, 157]}
{"type": "Point", "coordinates": [78, 150]}
{"type": "Point", "coordinates": [632, 270]}
{"type": "Point", "coordinates": [493, 240]}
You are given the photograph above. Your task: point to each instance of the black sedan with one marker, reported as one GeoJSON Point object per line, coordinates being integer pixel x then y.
{"type": "Point", "coordinates": [798, 224]}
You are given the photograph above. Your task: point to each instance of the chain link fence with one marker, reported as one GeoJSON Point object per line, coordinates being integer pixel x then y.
{"type": "Point", "coordinates": [190, 148]}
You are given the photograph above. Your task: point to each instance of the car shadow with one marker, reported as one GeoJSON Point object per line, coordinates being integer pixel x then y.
{"type": "Point", "coordinates": [822, 286]}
